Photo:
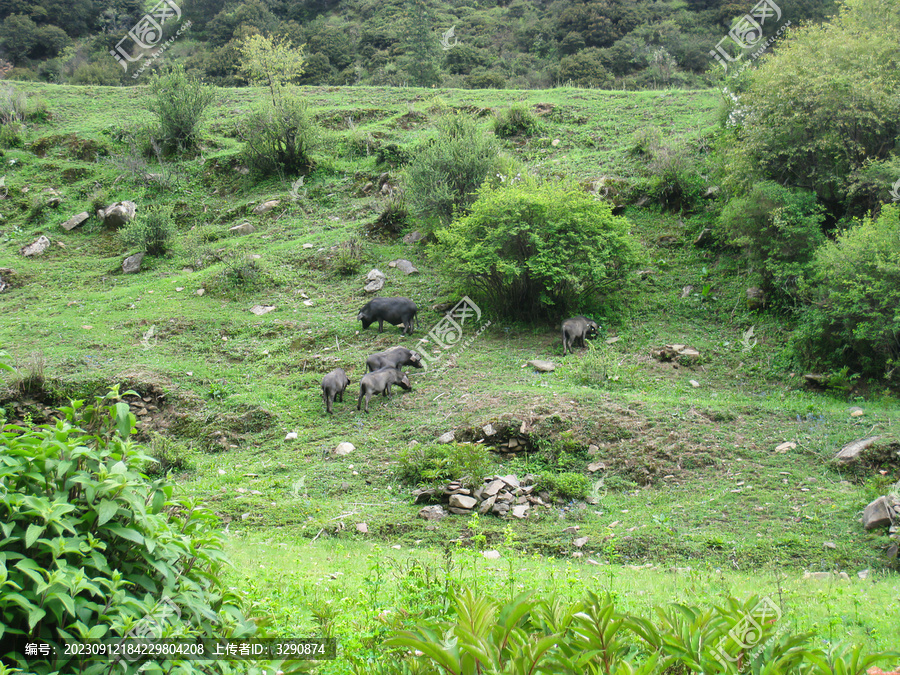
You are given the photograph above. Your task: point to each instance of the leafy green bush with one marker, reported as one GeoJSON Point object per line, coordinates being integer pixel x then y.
{"type": "Point", "coordinates": [566, 485]}
{"type": "Point", "coordinates": [517, 120]}
{"type": "Point", "coordinates": [445, 174]}
{"type": "Point", "coordinates": [179, 101]}
{"type": "Point", "coordinates": [778, 228]}
{"type": "Point", "coordinates": [852, 315]}
{"type": "Point", "coordinates": [11, 135]}
{"type": "Point", "coordinates": [534, 249]}
{"type": "Point", "coordinates": [92, 548]}
{"type": "Point", "coordinates": [674, 180]}
{"type": "Point", "coordinates": [151, 232]}
{"type": "Point", "coordinates": [282, 139]}
{"type": "Point", "coordinates": [436, 464]}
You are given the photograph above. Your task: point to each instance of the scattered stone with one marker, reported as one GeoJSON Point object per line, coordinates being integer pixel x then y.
{"type": "Point", "coordinates": [542, 366]}
{"type": "Point", "coordinates": [376, 281]}
{"type": "Point", "coordinates": [462, 502]}
{"type": "Point", "coordinates": [784, 447]}
{"type": "Point", "coordinates": [307, 303]}
{"type": "Point", "coordinates": [396, 547]}
{"type": "Point", "coordinates": [580, 542]}
{"type": "Point", "coordinates": [488, 430]}
{"type": "Point", "coordinates": [592, 450]}
{"type": "Point", "coordinates": [863, 574]}
{"type": "Point", "coordinates": [554, 142]}
{"type": "Point", "coordinates": [612, 340]}
{"type": "Point", "coordinates": [843, 576]}
{"type": "Point", "coordinates": [694, 383]}
{"type": "Point", "coordinates": [492, 555]}
{"type": "Point", "coordinates": [200, 291]}
{"type": "Point", "coordinates": [435, 512]}
{"type": "Point", "coordinates": [374, 274]}
{"type": "Point", "coordinates": [705, 238]}
{"type": "Point", "coordinates": [413, 237]}
{"type": "Point", "coordinates": [243, 228]}
{"type": "Point", "coordinates": [817, 576]}
{"type": "Point", "coordinates": [756, 298]}
{"type": "Point", "coordinates": [594, 467]}
{"type": "Point", "coordinates": [448, 437]}
{"type": "Point", "coordinates": [856, 411]}
{"type": "Point", "coordinates": [493, 488]}
{"type": "Point", "coordinates": [852, 450]}
{"type": "Point", "coordinates": [520, 511]}
{"type": "Point", "coordinates": [265, 207]}
{"type": "Point", "coordinates": [132, 264]}
{"type": "Point", "coordinates": [405, 266]}
{"type": "Point", "coordinates": [307, 246]}
{"type": "Point", "coordinates": [577, 554]}
{"type": "Point", "coordinates": [686, 292]}
{"type": "Point", "coordinates": [424, 495]}
{"type": "Point", "coordinates": [291, 436]}
{"type": "Point", "coordinates": [37, 247]}
{"type": "Point", "coordinates": [344, 448]}
{"type": "Point", "coordinates": [511, 480]}
{"type": "Point", "coordinates": [686, 356]}
{"type": "Point", "coordinates": [877, 514]}
{"type": "Point", "coordinates": [75, 221]}
{"type": "Point", "coordinates": [829, 544]}
{"type": "Point", "coordinates": [259, 310]}
{"type": "Point", "coordinates": [487, 504]}
{"type": "Point", "coordinates": [500, 508]}
{"type": "Point", "coordinates": [362, 528]}
{"type": "Point", "coordinates": [116, 215]}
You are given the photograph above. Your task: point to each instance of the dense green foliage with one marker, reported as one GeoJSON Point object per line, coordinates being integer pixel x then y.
{"type": "Point", "coordinates": [92, 548]}
{"type": "Point", "coordinates": [151, 231]}
{"type": "Point", "coordinates": [436, 464]}
{"type": "Point", "coordinates": [179, 102]}
{"type": "Point", "coordinates": [517, 120]}
{"type": "Point", "coordinates": [539, 249]}
{"type": "Point", "coordinates": [445, 174]}
{"type": "Point", "coordinates": [821, 107]}
{"type": "Point", "coordinates": [852, 318]}
{"type": "Point", "coordinates": [779, 230]}
{"type": "Point", "coordinates": [532, 635]}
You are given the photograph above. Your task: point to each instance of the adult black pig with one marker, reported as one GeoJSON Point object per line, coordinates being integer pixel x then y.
{"type": "Point", "coordinates": [333, 385]}
{"type": "Point", "coordinates": [395, 357]}
{"type": "Point", "coordinates": [380, 382]}
{"type": "Point", "coordinates": [575, 330]}
{"type": "Point", "coordinates": [393, 310]}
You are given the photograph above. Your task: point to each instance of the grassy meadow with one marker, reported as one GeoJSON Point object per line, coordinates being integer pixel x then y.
{"type": "Point", "coordinates": [694, 502]}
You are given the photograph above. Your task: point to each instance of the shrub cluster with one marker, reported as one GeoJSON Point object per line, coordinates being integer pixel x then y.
{"type": "Point", "coordinates": [151, 231]}
{"type": "Point", "coordinates": [179, 101]}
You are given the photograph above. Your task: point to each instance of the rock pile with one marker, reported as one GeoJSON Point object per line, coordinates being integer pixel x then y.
{"type": "Point", "coordinates": [682, 354]}
{"type": "Point", "coordinates": [503, 496]}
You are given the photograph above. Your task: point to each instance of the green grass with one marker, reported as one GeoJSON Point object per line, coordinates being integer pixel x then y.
{"type": "Point", "coordinates": [691, 480]}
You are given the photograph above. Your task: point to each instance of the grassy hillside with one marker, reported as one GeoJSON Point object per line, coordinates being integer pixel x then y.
{"type": "Point", "coordinates": [691, 477]}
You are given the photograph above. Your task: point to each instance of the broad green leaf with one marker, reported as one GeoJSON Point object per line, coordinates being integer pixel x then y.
{"type": "Point", "coordinates": [125, 533]}
{"type": "Point", "coordinates": [32, 533]}
{"type": "Point", "coordinates": [106, 511]}
{"type": "Point", "coordinates": [35, 615]}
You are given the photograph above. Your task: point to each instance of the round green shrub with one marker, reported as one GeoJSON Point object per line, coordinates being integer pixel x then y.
{"type": "Point", "coordinates": [150, 232]}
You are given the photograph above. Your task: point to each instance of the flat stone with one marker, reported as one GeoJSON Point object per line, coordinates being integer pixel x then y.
{"type": "Point", "coordinates": [542, 366]}
{"type": "Point", "coordinates": [405, 266]}
{"type": "Point", "coordinates": [308, 246]}
{"type": "Point", "coordinates": [593, 467]}
{"type": "Point", "coordinates": [424, 495]}
{"type": "Point", "coordinates": [463, 502]}
{"type": "Point", "coordinates": [413, 237]}
{"type": "Point", "coordinates": [694, 383]}
{"type": "Point", "coordinates": [487, 504]}
{"type": "Point", "coordinates": [243, 228]}
{"type": "Point", "coordinates": [784, 447]}
{"type": "Point", "coordinates": [344, 448]}
{"type": "Point", "coordinates": [863, 574]}
{"type": "Point", "coordinates": [818, 576]}
{"type": "Point", "coordinates": [37, 247]}
{"type": "Point", "coordinates": [493, 488]}
{"type": "Point", "coordinates": [435, 512]}
{"type": "Point", "coordinates": [259, 310]}
{"type": "Point", "coordinates": [75, 221]}
{"type": "Point", "coordinates": [132, 264]}
{"type": "Point", "coordinates": [488, 430]}
{"type": "Point", "coordinates": [448, 437]}
{"type": "Point", "coordinates": [265, 207]}
{"type": "Point", "coordinates": [877, 514]}
{"type": "Point", "coordinates": [520, 511]}
{"type": "Point", "coordinates": [572, 529]}
{"type": "Point", "coordinates": [500, 508]}
{"type": "Point", "coordinates": [291, 436]}
{"type": "Point", "coordinates": [851, 451]}
{"type": "Point", "coordinates": [829, 544]}
{"type": "Point", "coordinates": [580, 542]}
{"type": "Point", "coordinates": [511, 480]}
{"type": "Point", "coordinates": [492, 555]}
{"type": "Point", "coordinates": [362, 528]}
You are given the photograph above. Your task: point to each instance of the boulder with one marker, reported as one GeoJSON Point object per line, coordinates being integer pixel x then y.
{"type": "Point", "coordinates": [520, 511]}
{"type": "Point", "coordinates": [413, 237]}
{"type": "Point", "coordinates": [877, 514]}
{"type": "Point", "coordinates": [75, 221]}
{"type": "Point", "coordinates": [851, 451]}
{"type": "Point", "coordinates": [435, 512]}
{"type": "Point", "coordinates": [374, 286]}
{"type": "Point", "coordinates": [542, 366]}
{"type": "Point", "coordinates": [132, 264]}
{"type": "Point", "coordinates": [243, 228]}
{"type": "Point", "coordinates": [265, 207]}
{"type": "Point", "coordinates": [344, 449]}
{"type": "Point", "coordinates": [116, 215]}
{"type": "Point", "coordinates": [37, 247]}
{"type": "Point", "coordinates": [448, 437]}
{"type": "Point", "coordinates": [362, 528]}
{"type": "Point", "coordinates": [405, 266]}
{"type": "Point", "coordinates": [462, 502]}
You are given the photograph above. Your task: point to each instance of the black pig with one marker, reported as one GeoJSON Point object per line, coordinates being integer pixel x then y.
{"type": "Point", "coordinates": [395, 357]}
{"type": "Point", "coordinates": [333, 385]}
{"type": "Point", "coordinates": [380, 382]}
{"type": "Point", "coordinates": [575, 330]}
{"type": "Point", "coordinates": [395, 311]}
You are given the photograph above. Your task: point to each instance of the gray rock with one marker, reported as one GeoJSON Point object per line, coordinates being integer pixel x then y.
{"type": "Point", "coordinates": [265, 207]}
{"type": "Point", "coordinates": [344, 449]}
{"type": "Point", "coordinates": [877, 514]}
{"type": "Point", "coordinates": [510, 480]}
{"type": "Point", "coordinates": [492, 555]}
{"type": "Point", "coordinates": [425, 495]}
{"type": "Point", "coordinates": [487, 505]}
{"type": "Point", "coordinates": [488, 430]}
{"type": "Point", "coordinates": [435, 512]}
{"type": "Point", "coordinates": [405, 266]}
{"type": "Point", "coordinates": [520, 511]}
{"type": "Point", "coordinates": [580, 542]}
{"type": "Point", "coordinates": [243, 228]}
{"type": "Point", "coordinates": [462, 502]}
{"type": "Point", "coordinates": [493, 488]}
{"type": "Point", "coordinates": [374, 274]}
{"type": "Point", "coordinates": [542, 366]}
{"type": "Point", "coordinates": [374, 286]}
{"type": "Point", "coordinates": [818, 576]}
{"type": "Point", "coordinates": [458, 511]}
{"type": "Point", "coordinates": [863, 574]}
{"type": "Point", "coordinates": [448, 437]}
{"type": "Point", "coordinates": [116, 215]}
{"type": "Point", "coordinates": [413, 237]}
{"type": "Point", "coordinates": [851, 451]}
{"type": "Point", "coordinates": [132, 264]}
{"type": "Point", "coordinates": [37, 247]}
{"type": "Point", "coordinates": [75, 221]}
{"type": "Point", "coordinates": [500, 508]}
{"type": "Point", "coordinates": [362, 528]}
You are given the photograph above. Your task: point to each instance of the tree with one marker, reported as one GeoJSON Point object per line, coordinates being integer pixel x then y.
{"type": "Point", "coordinates": [420, 45]}
{"type": "Point", "coordinates": [584, 69]}
{"type": "Point", "coordinates": [535, 249]}
{"type": "Point", "coordinates": [273, 63]}
{"type": "Point", "coordinates": [821, 105]}
{"type": "Point", "coordinates": [18, 36]}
